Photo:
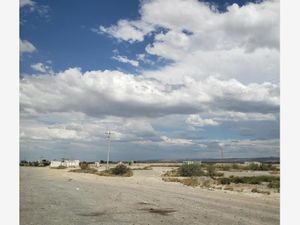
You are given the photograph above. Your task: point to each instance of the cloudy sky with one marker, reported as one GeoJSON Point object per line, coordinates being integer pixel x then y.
{"type": "Point", "coordinates": [171, 78]}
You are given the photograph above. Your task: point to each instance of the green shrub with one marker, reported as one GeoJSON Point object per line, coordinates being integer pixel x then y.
{"type": "Point", "coordinates": [84, 165]}
{"type": "Point", "coordinates": [274, 184]}
{"type": "Point", "coordinates": [189, 170]}
{"type": "Point", "coordinates": [224, 180]}
{"type": "Point", "coordinates": [250, 180]}
{"type": "Point", "coordinates": [211, 170]}
{"type": "Point", "coordinates": [120, 169]}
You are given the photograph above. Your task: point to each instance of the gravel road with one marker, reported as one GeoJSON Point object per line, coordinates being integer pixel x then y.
{"type": "Point", "coordinates": [51, 196]}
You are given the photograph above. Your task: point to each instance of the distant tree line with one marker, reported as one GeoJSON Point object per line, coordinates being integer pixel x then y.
{"type": "Point", "coordinates": [39, 163]}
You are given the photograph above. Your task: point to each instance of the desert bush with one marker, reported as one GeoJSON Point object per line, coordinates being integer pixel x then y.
{"type": "Point", "coordinates": [206, 183]}
{"type": "Point", "coordinates": [228, 188]}
{"type": "Point", "coordinates": [255, 190]}
{"type": "Point", "coordinates": [211, 170]}
{"type": "Point", "coordinates": [192, 181]}
{"type": "Point", "coordinates": [87, 170]}
{"type": "Point", "coordinates": [225, 167]}
{"type": "Point", "coordinates": [262, 167]}
{"type": "Point", "coordinates": [236, 166]}
{"type": "Point", "coordinates": [84, 165]}
{"type": "Point", "coordinates": [274, 184]}
{"type": "Point", "coordinates": [189, 170]}
{"type": "Point", "coordinates": [249, 180]}
{"type": "Point", "coordinates": [120, 169]}
{"type": "Point", "coordinates": [225, 180]}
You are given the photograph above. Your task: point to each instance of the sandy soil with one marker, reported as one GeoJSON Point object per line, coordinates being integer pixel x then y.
{"type": "Point", "coordinates": [51, 196]}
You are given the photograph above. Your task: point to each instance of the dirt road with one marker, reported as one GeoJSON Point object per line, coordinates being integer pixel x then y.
{"type": "Point", "coordinates": [51, 196]}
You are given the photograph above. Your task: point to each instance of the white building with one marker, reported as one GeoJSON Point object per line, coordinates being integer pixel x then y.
{"type": "Point", "coordinates": [256, 163]}
{"type": "Point", "coordinates": [55, 164]}
{"type": "Point", "coordinates": [66, 163]}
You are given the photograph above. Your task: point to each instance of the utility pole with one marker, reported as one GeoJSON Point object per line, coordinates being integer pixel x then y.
{"type": "Point", "coordinates": [222, 152]}
{"type": "Point", "coordinates": [108, 133]}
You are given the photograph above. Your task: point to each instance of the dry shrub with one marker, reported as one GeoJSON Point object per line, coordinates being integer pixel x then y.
{"type": "Point", "coordinates": [120, 170]}
{"type": "Point", "coordinates": [190, 170]}
{"type": "Point", "coordinates": [228, 188]}
{"type": "Point", "coordinates": [171, 173]}
{"type": "Point", "coordinates": [255, 190]}
{"type": "Point", "coordinates": [84, 165]}
{"type": "Point", "coordinates": [88, 170]}
{"type": "Point", "coordinates": [206, 184]}
{"type": "Point", "coordinates": [192, 181]}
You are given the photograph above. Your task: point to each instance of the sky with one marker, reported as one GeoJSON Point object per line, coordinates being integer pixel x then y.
{"type": "Point", "coordinates": [172, 79]}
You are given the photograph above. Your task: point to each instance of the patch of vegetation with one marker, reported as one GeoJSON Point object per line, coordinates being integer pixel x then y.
{"type": "Point", "coordinates": [41, 163]}
{"type": "Point", "coordinates": [87, 170]}
{"type": "Point", "coordinates": [261, 167]}
{"type": "Point", "coordinates": [248, 180]}
{"type": "Point", "coordinates": [120, 170]}
{"type": "Point", "coordinates": [190, 170]}
{"type": "Point", "coordinates": [192, 181]}
{"type": "Point", "coordinates": [167, 165]}
{"type": "Point", "coordinates": [274, 184]}
{"type": "Point", "coordinates": [84, 165]}
{"type": "Point", "coordinates": [211, 171]}
{"type": "Point", "coordinates": [171, 173]}
{"type": "Point", "coordinates": [255, 190]}
{"type": "Point", "coordinates": [228, 188]}
{"type": "Point", "coordinates": [206, 184]}
{"type": "Point", "coordinates": [225, 180]}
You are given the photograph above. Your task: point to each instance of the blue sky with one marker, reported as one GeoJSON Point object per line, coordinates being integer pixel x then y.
{"type": "Point", "coordinates": [172, 79]}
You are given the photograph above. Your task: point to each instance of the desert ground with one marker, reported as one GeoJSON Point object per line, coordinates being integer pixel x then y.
{"type": "Point", "coordinates": [53, 196]}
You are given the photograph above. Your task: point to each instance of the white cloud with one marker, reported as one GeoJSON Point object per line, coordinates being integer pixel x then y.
{"type": "Point", "coordinates": [250, 26]}
{"type": "Point", "coordinates": [124, 59]}
{"type": "Point", "coordinates": [40, 67]}
{"type": "Point", "coordinates": [130, 31]}
{"type": "Point", "coordinates": [26, 47]}
{"type": "Point", "coordinates": [26, 3]}
{"type": "Point", "coordinates": [243, 42]}
{"type": "Point", "coordinates": [176, 141]}
{"type": "Point", "coordinates": [196, 120]}
{"type": "Point", "coordinates": [129, 96]}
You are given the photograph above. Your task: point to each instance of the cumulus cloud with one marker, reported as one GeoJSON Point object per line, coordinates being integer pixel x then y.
{"type": "Point", "coordinates": [26, 3]}
{"type": "Point", "coordinates": [124, 59]}
{"type": "Point", "coordinates": [222, 69]}
{"type": "Point", "coordinates": [98, 93]}
{"type": "Point", "coordinates": [242, 41]}
{"type": "Point", "coordinates": [244, 26]}
{"type": "Point", "coordinates": [130, 31]}
{"type": "Point", "coordinates": [42, 68]}
{"type": "Point", "coordinates": [176, 141]}
{"type": "Point", "coordinates": [196, 120]}
{"type": "Point", "coordinates": [26, 47]}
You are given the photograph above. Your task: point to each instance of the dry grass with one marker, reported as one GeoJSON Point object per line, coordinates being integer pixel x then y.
{"type": "Point", "coordinates": [108, 173]}
{"type": "Point", "coordinates": [192, 181]}
{"type": "Point", "coordinates": [228, 188]}
{"type": "Point", "coordinates": [120, 170]}
{"type": "Point", "coordinates": [255, 190]}
{"type": "Point", "coordinates": [59, 167]}
{"type": "Point", "coordinates": [88, 170]}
